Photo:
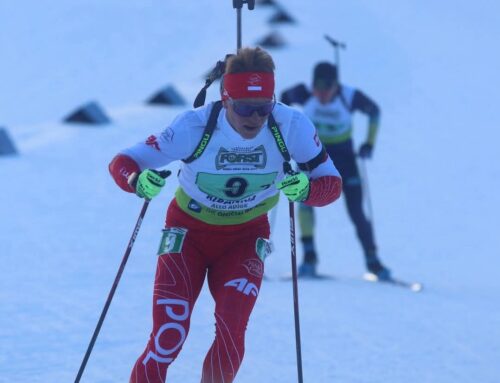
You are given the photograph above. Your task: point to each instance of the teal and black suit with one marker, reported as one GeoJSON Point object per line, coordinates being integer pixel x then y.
{"type": "Point", "coordinates": [333, 122]}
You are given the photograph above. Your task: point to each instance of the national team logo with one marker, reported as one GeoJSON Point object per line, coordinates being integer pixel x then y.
{"type": "Point", "coordinates": [254, 267]}
{"type": "Point", "coordinates": [254, 83]}
{"type": "Point", "coordinates": [255, 79]}
{"type": "Point", "coordinates": [177, 311]}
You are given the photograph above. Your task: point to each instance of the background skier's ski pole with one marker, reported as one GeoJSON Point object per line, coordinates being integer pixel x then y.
{"type": "Point", "coordinates": [164, 174]}
{"type": "Point", "coordinates": [288, 170]}
{"type": "Point", "coordinates": [366, 190]}
{"type": "Point", "coordinates": [337, 45]}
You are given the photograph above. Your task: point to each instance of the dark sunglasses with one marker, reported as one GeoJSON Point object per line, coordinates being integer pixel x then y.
{"type": "Point", "coordinates": [244, 109]}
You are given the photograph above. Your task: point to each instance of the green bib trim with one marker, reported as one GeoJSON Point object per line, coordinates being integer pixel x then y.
{"type": "Point", "coordinates": [334, 139]}
{"type": "Point", "coordinates": [222, 217]}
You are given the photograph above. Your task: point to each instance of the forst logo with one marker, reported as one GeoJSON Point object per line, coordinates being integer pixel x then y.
{"type": "Point", "coordinates": [237, 159]}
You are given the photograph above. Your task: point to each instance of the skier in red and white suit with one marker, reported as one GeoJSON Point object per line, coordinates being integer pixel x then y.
{"type": "Point", "coordinates": [217, 226]}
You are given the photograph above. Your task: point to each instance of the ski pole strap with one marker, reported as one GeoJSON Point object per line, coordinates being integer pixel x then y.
{"type": "Point", "coordinates": [207, 133]}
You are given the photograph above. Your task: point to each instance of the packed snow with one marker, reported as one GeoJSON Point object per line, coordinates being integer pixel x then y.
{"type": "Point", "coordinates": [434, 181]}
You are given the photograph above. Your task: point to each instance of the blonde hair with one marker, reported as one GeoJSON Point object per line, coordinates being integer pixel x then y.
{"type": "Point", "coordinates": [250, 60]}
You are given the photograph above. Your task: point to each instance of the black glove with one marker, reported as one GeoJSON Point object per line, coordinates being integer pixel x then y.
{"type": "Point", "coordinates": [366, 150]}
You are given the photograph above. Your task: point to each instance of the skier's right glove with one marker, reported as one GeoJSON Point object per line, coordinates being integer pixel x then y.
{"type": "Point", "coordinates": [149, 183]}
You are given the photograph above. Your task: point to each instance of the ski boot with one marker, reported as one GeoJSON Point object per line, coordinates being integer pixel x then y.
{"type": "Point", "coordinates": [376, 268]}
{"type": "Point", "coordinates": [308, 268]}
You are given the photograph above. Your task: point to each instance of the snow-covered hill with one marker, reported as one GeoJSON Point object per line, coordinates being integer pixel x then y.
{"type": "Point", "coordinates": [432, 66]}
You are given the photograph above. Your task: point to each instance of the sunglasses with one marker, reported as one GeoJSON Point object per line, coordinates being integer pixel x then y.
{"type": "Point", "coordinates": [244, 109]}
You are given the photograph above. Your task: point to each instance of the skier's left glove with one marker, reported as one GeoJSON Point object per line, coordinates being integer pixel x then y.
{"type": "Point", "coordinates": [149, 183]}
{"type": "Point", "coordinates": [366, 150]}
{"type": "Point", "coordinates": [295, 187]}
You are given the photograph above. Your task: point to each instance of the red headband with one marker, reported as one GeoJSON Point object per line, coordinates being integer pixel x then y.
{"type": "Point", "coordinates": [248, 85]}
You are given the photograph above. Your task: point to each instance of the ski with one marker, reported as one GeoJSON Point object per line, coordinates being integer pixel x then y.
{"type": "Point", "coordinates": [369, 277]}
{"type": "Point", "coordinates": [316, 277]}
{"type": "Point", "coordinates": [288, 278]}
{"type": "Point", "coordinates": [413, 286]}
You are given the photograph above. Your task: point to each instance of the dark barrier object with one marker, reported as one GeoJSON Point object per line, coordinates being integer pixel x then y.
{"type": "Point", "coordinates": [273, 40]}
{"type": "Point", "coordinates": [167, 96]}
{"type": "Point", "coordinates": [7, 146]}
{"type": "Point", "coordinates": [282, 17]}
{"type": "Point", "coordinates": [90, 113]}
{"type": "Point", "coordinates": [267, 2]}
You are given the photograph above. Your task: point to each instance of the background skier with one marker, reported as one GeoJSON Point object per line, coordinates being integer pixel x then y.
{"type": "Point", "coordinates": [331, 107]}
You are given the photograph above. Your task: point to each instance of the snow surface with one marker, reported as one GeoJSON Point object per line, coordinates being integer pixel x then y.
{"type": "Point", "coordinates": [434, 181]}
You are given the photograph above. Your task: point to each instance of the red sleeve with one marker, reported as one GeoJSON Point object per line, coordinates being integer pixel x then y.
{"type": "Point", "coordinates": [120, 168]}
{"type": "Point", "coordinates": [324, 190]}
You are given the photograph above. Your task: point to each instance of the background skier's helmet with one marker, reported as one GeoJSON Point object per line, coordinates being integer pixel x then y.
{"type": "Point", "coordinates": [325, 75]}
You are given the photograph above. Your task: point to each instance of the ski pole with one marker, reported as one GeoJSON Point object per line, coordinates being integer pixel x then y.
{"type": "Point", "coordinates": [288, 170]}
{"type": "Point", "coordinates": [337, 45]}
{"type": "Point", "coordinates": [220, 67]}
{"type": "Point", "coordinates": [272, 223]}
{"type": "Point", "coordinates": [366, 190]}
{"type": "Point", "coordinates": [238, 4]}
{"type": "Point", "coordinates": [163, 174]}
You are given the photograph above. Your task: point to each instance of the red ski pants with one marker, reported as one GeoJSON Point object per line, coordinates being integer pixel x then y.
{"type": "Point", "coordinates": [230, 257]}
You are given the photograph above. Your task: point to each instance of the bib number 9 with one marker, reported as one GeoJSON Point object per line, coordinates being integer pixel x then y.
{"type": "Point", "coordinates": [234, 186]}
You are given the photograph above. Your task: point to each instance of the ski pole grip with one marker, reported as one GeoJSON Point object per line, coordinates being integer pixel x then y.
{"type": "Point", "coordinates": [238, 4]}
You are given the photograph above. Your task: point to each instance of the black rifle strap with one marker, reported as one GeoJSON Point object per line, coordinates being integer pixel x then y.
{"type": "Point", "coordinates": [212, 123]}
{"type": "Point", "coordinates": [278, 137]}
{"type": "Point", "coordinates": [207, 133]}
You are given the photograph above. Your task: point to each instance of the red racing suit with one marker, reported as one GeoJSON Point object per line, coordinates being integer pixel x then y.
{"type": "Point", "coordinates": [217, 228]}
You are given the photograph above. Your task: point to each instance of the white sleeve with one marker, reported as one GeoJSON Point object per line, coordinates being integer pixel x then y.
{"type": "Point", "coordinates": [304, 145]}
{"type": "Point", "coordinates": [176, 142]}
